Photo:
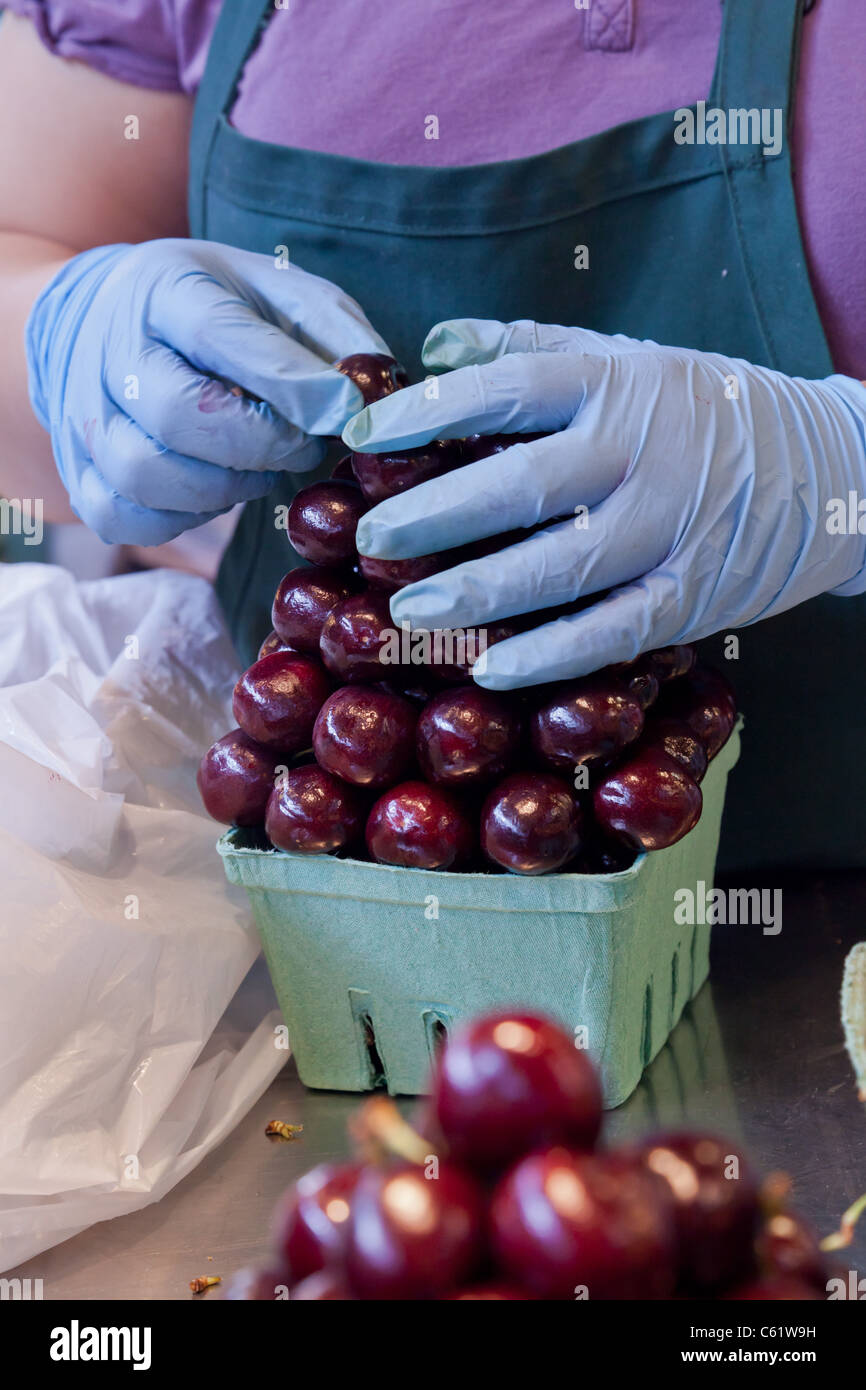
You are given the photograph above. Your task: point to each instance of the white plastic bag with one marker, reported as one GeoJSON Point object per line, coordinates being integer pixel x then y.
{"type": "Point", "coordinates": [122, 947]}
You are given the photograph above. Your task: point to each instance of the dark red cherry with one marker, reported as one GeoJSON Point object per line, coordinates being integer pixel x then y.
{"type": "Point", "coordinates": [786, 1247]}
{"type": "Point", "coordinates": [413, 1236]}
{"type": "Point", "coordinates": [674, 737]}
{"type": "Point", "coordinates": [772, 1290]}
{"type": "Point", "coordinates": [482, 446]}
{"type": "Point", "coordinates": [391, 575]}
{"type": "Point", "coordinates": [374, 373]}
{"type": "Point", "coordinates": [669, 663]}
{"type": "Point", "coordinates": [355, 636]}
{"type": "Point", "coordinates": [274, 643]}
{"type": "Point", "coordinates": [304, 599]}
{"type": "Point", "coordinates": [509, 1081]}
{"type": "Point", "coordinates": [366, 736]}
{"type": "Point", "coordinates": [343, 472]}
{"type": "Point", "coordinates": [586, 721]}
{"type": "Point", "coordinates": [487, 1293]}
{"type": "Point", "coordinates": [236, 777]}
{"type": "Point", "coordinates": [261, 1284]}
{"type": "Point", "coordinates": [716, 1205]}
{"type": "Point", "coordinates": [642, 684]}
{"type": "Point", "coordinates": [565, 1222]}
{"type": "Point", "coordinates": [648, 802]}
{"type": "Point", "coordinates": [531, 823]}
{"type": "Point", "coordinates": [467, 736]}
{"type": "Point", "coordinates": [311, 1221]}
{"type": "Point", "coordinates": [313, 812]}
{"type": "Point", "coordinates": [385, 475]}
{"type": "Point", "coordinates": [323, 519]}
{"type": "Point", "coordinates": [420, 827]}
{"type": "Point", "coordinates": [276, 701]}
{"type": "Point", "coordinates": [706, 701]}
{"type": "Point", "coordinates": [455, 650]}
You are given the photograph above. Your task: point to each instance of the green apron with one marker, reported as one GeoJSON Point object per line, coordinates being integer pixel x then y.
{"type": "Point", "coordinates": [688, 244]}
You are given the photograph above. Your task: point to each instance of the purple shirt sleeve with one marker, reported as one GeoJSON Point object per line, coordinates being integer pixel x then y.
{"type": "Point", "coordinates": [160, 44]}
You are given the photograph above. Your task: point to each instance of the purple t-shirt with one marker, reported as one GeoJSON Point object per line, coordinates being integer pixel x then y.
{"type": "Point", "coordinates": [505, 80]}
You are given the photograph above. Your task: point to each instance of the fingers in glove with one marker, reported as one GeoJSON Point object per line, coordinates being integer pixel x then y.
{"type": "Point", "coordinates": [523, 485]}
{"type": "Point", "coordinates": [623, 539]}
{"type": "Point", "coordinates": [120, 522]}
{"type": "Point", "coordinates": [148, 475]}
{"type": "Point", "coordinates": [201, 417]}
{"type": "Point", "coordinates": [514, 394]}
{"type": "Point", "coordinates": [225, 336]}
{"type": "Point", "coordinates": [619, 627]}
{"type": "Point", "coordinates": [465, 342]}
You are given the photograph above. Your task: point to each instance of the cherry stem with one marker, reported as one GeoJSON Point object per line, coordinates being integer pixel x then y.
{"type": "Point", "coordinates": [845, 1234]}
{"type": "Point", "coordinates": [380, 1131]}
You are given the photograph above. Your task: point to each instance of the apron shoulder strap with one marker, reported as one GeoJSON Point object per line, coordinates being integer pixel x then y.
{"type": "Point", "coordinates": [756, 64]}
{"type": "Point", "coordinates": [236, 34]}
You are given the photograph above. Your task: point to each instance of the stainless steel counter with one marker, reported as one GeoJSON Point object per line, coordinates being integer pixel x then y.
{"type": "Point", "coordinates": [759, 1053]}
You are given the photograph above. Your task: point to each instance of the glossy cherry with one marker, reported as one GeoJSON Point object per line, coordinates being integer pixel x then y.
{"type": "Point", "coordinates": [716, 1205]}
{"type": "Point", "coordinates": [313, 812]}
{"type": "Point", "coordinates": [454, 652]}
{"type": "Point", "coordinates": [412, 1236]}
{"type": "Point", "coordinates": [386, 475]}
{"type": "Point", "coordinates": [343, 471]}
{"type": "Point", "coordinates": [675, 737]}
{"type": "Point", "coordinates": [354, 636]}
{"type": "Point", "coordinates": [310, 1224]}
{"type": "Point", "coordinates": [274, 643]}
{"type": "Point", "coordinates": [669, 663]}
{"type": "Point", "coordinates": [467, 736]}
{"type": "Point", "coordinates": [276, 701]}
{"type": "Point", "coordinates": [531, 823]}
{"type": "Point", "coordinates": [706, 701]}
{"type": "Point", "coordinates": [374, 373]}
{"type": "Point", "coordinates": [420, 827]}
{"type": "Point", "coordinates": [586, 721]}
{"type": "Point", "coordinates": [563, 1221]}
{"type": "Point", "coordinates": [510, 1081]}
{"type": "Point", "coordinates": [323, 519]}
{"type": "Point", "coordinates": [366, 736]}
{"type": "Point", "coordinates": [236, 777]}
{"type": "Point", "coordinates": [482, 446]}
{"type": "Point", "coordinates": [304, 599]}
{"type": "Point", "coordinates": [391, 575]}
{"type": "Point", "coordinates": [648, 802]}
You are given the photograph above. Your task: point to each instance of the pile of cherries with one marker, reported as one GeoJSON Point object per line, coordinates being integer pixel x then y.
{"type": "Point", "coordinates": [339, 749]}
{"type": "Point", "coordinates": [505, 1192]}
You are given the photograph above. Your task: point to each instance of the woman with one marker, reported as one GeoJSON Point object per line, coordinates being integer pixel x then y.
{"type": "Point", "coordinates": [515, 166]}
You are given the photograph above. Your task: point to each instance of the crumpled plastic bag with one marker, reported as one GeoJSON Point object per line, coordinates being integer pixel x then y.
{"type": "Point", "coordinates": [134, 1032]}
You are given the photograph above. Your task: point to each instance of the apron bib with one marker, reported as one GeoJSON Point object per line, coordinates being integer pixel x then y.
{"type": "Point", "coordinates": [695, 245]}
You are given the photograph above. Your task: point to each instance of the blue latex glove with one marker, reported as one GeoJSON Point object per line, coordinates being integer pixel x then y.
{"type": "Point", "coordinates": [132, 352]}
{"type": "Point", "coordinates": [706, 481]}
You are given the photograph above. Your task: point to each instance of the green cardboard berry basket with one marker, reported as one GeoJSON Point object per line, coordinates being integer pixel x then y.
{"type": "Point", "coordinates": [373, 964]}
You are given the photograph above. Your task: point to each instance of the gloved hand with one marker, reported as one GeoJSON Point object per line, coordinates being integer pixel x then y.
{"type": "Point", "coordinates": [132, 352]}
{"type": "Point", "coordinates": [706, 482]}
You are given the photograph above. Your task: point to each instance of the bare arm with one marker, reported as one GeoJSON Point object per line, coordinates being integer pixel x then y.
{"type": "Point", "coordinates": [69, 180]}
